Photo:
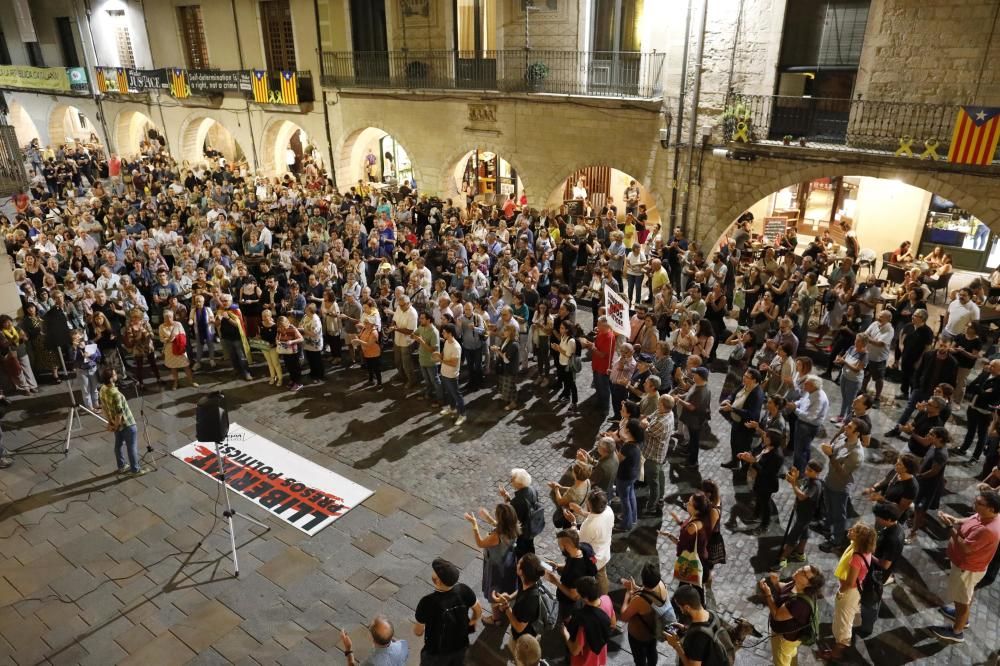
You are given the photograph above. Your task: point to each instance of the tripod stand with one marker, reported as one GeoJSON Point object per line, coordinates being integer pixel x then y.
{"type": "Point", "coordinates": [75, 408]}
{"type": "Point", "coordinates": [229, 513]}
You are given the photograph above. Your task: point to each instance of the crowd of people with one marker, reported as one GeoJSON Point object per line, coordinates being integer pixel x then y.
{"type": "Point", "coordinates": [131, 267]}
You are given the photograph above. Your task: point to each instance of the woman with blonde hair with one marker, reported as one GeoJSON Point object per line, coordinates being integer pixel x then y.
{"type": "Point", "coordinates": [107, 340]}
{"type": "Point", "coordinates": [137, 336]}
{"type": "Point", "coordinates": [269, 346]}
{"type": "Point", "coordinates": [174, 341]}
{"type": "Point", "coordinates": [851, 572]}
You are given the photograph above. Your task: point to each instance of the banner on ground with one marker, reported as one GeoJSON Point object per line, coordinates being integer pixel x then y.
{"type": "Point", "coordinates": [298, 491]}
{"type": "Point", "coordinates": [34, 78]}
{"type": "Point", "coordinates": [617, 311]}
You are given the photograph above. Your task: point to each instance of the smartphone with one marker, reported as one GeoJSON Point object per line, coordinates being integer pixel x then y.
{"type": "Point", "coordinates": [548, 567]}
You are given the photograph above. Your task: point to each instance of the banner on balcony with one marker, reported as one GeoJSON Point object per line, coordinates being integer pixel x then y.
{"type": "Point", "coordinates": [140, 80]}
{"type": "Point", "coordinates": [53, 79]}
{"type": "Point", "coordinates": [216, 82]}
{"type": "Point", "coordinates": [975, 138]}
{"type": "Point", "coordinates": [178, 83]}
{"type": "Point", "coordinates": [112, 80]}
{"type": "Point", "coordinates": [289, 89]}
{"type": "Point", "coordinates": [261, 89]}
{"type": "Point", "coordinates": [78, 79]}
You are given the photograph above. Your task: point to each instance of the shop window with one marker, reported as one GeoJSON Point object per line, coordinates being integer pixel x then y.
{"type": "Point", "coordinates": [193, 36]}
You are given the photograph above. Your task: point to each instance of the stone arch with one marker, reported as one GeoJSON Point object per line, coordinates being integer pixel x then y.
{"type": "Point", "coordinates": [198, 127]}
{"type": "Point", "coordinates": [130, 130]}
{"type": "Point", "coordinates": [939, 183]}
{"type": "Point", "coordinates": [349, 167]}
{"type": "Point", "coordinates": [277, 134]}
{"type": "Point", "coordinates": [65, 125]}
{"type": "Point", "coordinates": [558, 179]}
{"type": "Point", "coordinates": [449, 187]}
{"type": "Point", "coordinates": [24, 127]}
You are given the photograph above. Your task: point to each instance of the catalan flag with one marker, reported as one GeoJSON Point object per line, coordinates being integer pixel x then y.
{"type": "Point", "coordinates": [178, 83]}
{"type": "Point", "coordinates": [102, 81]}
{"type": "Point", "coordinates": [289, 88]}
{"type": "Point", "coordinates": [122, 77]}
{"type": "Point", "coordinates": [977, 131]}
{"type": "Point", "coordinates": [261, 90]}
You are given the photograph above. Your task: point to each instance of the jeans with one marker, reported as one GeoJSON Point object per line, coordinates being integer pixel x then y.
{"type": "Point", "coordinates": [199, 351]}
{"type": "Point", "coordinates": [848, 389]}
{"type": "Point", "coordinates": [89, 387]}
{"type": "Point", "coordinates": [234, 350]}
{"type": "Point", "coordinates": [655, 481]}
{"type": "Point", "coordinates": [626, 493]}
{"type": "Point", "coordinates": [602, 387]}
{"type": "Point", "coordinates": [643, 652]}
{"type": "Point", "coordinates": [634, 284]}
{"type": "Point", "coordinates": [835, 502]}
{"type": "Point", "coordinates": [432, 385]}
{"type": "Point", "coordinates": [804, 435]}
{"type": "Point", "coordinates": [693, 445]}
{"type": "Point", "coordinates": [916, 395]}
{"type": "Point", "coordinates": [127, 437]}
{"type": "Point", "coordinates": [450, 386]}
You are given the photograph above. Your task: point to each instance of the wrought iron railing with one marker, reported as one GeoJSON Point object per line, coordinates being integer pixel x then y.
{"type": "Point", "coordinates": [855, 124]}
{"type": "Point", "coordinates": [586, 73]}
{"type": "Point", "coordinates": [12, 175]}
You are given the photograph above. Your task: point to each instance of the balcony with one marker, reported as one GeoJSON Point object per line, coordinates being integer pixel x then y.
{"type": "Point", "coordinates": [842, 124]}
{"type": "Point", "coordinates": [631, 75]}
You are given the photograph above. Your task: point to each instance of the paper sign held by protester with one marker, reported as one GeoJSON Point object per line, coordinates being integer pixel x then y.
{"type": "Point", "coordinates": [298, 491]}
{"type": "Point", "coordinates": [617, 310]}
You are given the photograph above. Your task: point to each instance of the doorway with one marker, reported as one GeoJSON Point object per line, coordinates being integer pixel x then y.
{"type": "Point", "coordinates": [371, 47]}
{"type": "Point", "coordinates": [475, 43]}
{"type": "Point", "coordinates": [615, 46]}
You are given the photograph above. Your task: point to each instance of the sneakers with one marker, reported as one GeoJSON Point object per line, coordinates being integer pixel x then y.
{"type": "Point", "coordinates": [460, 420]}
{"type": "Point", "coordinates": [947, 611]}
{"type": "Point", "coordinates": [295, 388]}
{"type": "Point", "coordinates": [123, 469]}
{"type": "Point", "coordinates": [894, 432]}
{"type": "Point", "coordinates": [447, 411]}
{"type": "Point", "coordinates": [948, 634]}
{"type": "Point", "coordinates": [5, 462]}
{"type": "Point", "coordinates": [140, 471]}
{"type": "Point", "coordinates": [797, 557]}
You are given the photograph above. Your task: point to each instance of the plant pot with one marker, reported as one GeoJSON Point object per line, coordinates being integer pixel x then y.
{"type": "Point", "coordinates": [802, 141]}
{"type": "Point", "coordinates": [536, 85]}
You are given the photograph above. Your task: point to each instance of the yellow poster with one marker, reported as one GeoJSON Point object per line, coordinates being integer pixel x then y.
{"type": "Point", "coordinates": [34, 78]}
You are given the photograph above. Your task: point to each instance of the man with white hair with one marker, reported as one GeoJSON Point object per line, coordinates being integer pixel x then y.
{"type": "Point", "coordinates": [404, 323]}
{"type": "Point", "coordinates": [524, 501]}
{"type": "Point", "coordinates": [810, 411]}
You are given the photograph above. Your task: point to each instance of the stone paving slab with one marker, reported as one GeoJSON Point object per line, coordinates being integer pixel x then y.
{"type": "Point", "coordinates": [148, 592]}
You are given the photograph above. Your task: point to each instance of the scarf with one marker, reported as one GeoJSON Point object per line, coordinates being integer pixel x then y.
{"type": "Point", "coordinates": [596, 627]}
{"type": "Point", "coordinates": [13, 337]}
{"type": "Point", "coordinates": [201, 321]}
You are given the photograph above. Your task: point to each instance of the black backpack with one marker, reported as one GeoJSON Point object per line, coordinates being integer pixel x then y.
{"type": "Point", "coordinates": [723, 652]}
{"type": "Point", "coordinates": [536, 519]}
{"type": "Point", "coordinates": [454, 622]}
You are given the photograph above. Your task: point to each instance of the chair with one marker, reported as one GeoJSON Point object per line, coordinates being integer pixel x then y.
{"type": "Point", "coordinates": [941, 284]}
{"type": "Point", "coordinates": [886, 259]}
{"type": "Point", "coordinates": [866, 259]}
{"type": "Point", "coordinates": [894, 274]}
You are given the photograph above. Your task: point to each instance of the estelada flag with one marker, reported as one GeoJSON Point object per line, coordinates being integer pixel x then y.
{"type": "Point", "coordinates": [178, 83]}
{"type": "Point", "coordinates": [122, 76]}
{"type": "Point", "coordinates": [102, 81]}
{"type": "Point", "coordinates": [977, 130]}
{"type": "Point", "coordinates": [261, 91]}
{"type": "Point", "coordinates": [617, 312]}
{"type": "Point", "coordinates": [289, 90]}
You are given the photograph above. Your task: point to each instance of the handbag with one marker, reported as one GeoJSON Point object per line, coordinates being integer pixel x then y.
{"type": "Point", "coordinates": [179, 344]}
{"type": "Point", "coordinates": [688, 568]}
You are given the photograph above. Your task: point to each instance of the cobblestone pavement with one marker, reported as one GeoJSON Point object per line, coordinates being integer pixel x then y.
{"type": "Point", "coordinates": [94, 570]}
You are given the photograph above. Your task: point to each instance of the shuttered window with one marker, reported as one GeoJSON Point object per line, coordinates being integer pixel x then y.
{"type": "Point", "coordinates": [276, 28]}
{"type": "Point", "coordinates": [824, 33]}
{"type": "Point", "coordinates": [193, 36]}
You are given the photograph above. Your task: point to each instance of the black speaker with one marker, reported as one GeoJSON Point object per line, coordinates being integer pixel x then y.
{"type": "Point", "coordinates": [212, 418]}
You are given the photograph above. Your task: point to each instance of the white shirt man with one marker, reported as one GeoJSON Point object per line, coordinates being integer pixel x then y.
{"type": "Point", "coordinates": [452, 351]}
{"type": "Point", "coordinates": [405, 317]}
{"type": "Point", "coordinates": [880, 338]}
{"type": "Point", "coordinates": [596, 529]}
{"type": "Point", "coordinates": [109, 282]}
{"type": "Point", "coordinates": [961, 312]}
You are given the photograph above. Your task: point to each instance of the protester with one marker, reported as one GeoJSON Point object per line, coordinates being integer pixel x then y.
{"type": "Point", "coordinates": [386, 649]}
{"type": "Point", "coordinates": [446, 617]}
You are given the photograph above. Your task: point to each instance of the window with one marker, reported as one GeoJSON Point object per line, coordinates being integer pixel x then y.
{"type": "Point", "coordinates": [193, 36]}
{"type": "Point", "coordinates": [279, 40]}
{"type": "Point", "coordinates": [64, 32]}
{"type": "Point", "coordinates": [616, 25]}
{"type": "Point", "coordinates": [35, 58]}
{"type": "Point", "coordinates": [476, 26]}
{"type": "Point", "coordinates": [126, 57]}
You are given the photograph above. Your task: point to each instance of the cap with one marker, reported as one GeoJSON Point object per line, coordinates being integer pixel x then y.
{"type": "Point", "coordinates": [886, 511]}
{"type": "Point", "coordinates": [645, 358]}
{"type": "Point", "coordinates": [446, 572]}
{"type": "Point", "coordinates": [701, 372]}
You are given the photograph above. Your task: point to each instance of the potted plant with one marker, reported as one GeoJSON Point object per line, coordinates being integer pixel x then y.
{"type": "Point", "coordinates": [536, 75]}
{"type": "Point", "coordinates": [417, 72]}
{"type": "Point", "coordinates": [787, 139]}
{"type": "Point", "coordinates": [802, 141]}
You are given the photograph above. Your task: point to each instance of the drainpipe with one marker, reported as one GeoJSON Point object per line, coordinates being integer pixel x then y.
{"type": "Point", "coordinates": [326, 109]}
{"type": "Point", "coordinates": [695, 98]}
{"type": "Point", "coordinates": [679, 122]}
{"type": "Point", "coordinates": [239, 50]}
{"type": "Point", "coordinates": [91, 73]}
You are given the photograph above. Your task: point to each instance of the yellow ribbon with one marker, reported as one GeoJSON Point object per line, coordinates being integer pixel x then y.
{"type": "Point", "coordinates": [930, 152]}
{"type": "Point", "coordinates": [905, 147]}
{"type": "Point", "coordinates": [742, 133]}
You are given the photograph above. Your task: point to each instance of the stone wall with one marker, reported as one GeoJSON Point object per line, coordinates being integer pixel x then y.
{"type": "Point", "coordinates": [934, 50]}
